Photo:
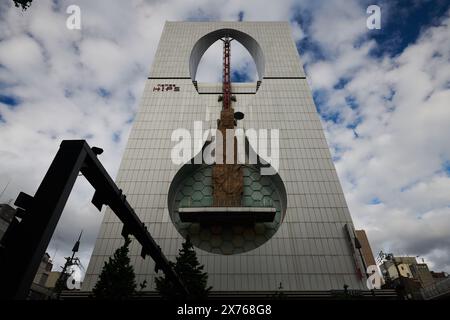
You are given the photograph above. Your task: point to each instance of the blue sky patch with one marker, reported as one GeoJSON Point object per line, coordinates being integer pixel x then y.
{"type": "Point", "coordinates": [403, 23]}
{"type": "Point", "coordinates": [354, 124]}
{"type": "Point", "coordinates": [341, 83]}
{"type": "Point", "coordinates": [375, 201]}
{"type": "Point", "coordinates": [102, 92]}
{"type": "Point", "coordinates": [351, 102]}
{"type": "Point", "coordinates": [240, 75]}
{"type": "Point", "coordinates": [116, 136]}
{"type": "Point", "coordinates": [9, 100]}
{"type": "Point", "coordinates": [198, 15]}
{"type": "Point", "coordinates": [241, 16]}
{"type": "Point", "coordinates": [88, 136]}
{"type": "Point", "coordinates": [446, 167]}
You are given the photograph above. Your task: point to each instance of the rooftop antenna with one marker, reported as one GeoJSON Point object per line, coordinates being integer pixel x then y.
{"type": "Point", "coordinates": [70, 261]}
{"type": "Point", "coordinates": [76, 247]}
{"type": "Point", "coordinates": [227, 192]}
{"type": "Point", "coordinates": [54, 253]}
{"type": "Point", "coordinates": [226, 84]}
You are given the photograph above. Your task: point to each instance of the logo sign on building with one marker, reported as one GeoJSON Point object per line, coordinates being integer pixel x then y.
{"type": "Point", "coordinates": [160, 87]}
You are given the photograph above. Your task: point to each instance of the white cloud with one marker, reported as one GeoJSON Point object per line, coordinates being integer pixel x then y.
{"type": "Point", "coordinates": [403, 107]}
{"type": "Point", "coordinates": [400, 147]}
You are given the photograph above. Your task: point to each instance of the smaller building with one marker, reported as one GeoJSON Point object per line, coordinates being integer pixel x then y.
{"type": "Point", "coordinates": [416, 281]}
{"type": "Point", "coordinates": [39, 289]}
{"type": "Point", "coordinates": [439, 276]}
{"type": "Point", "coordinates": [440, 289]}
{"type": "Point", "coordinates": [421, 272]}
{"type": "Point", "coordinates": [391, 269]}
{"type": "Point", "coordinates": [45, 267]}
{"type": "Point", "coordinates": [53, 276]}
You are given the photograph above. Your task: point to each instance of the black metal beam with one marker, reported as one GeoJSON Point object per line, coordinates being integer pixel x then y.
{"type": "Point", "coordinates": [23, 253]}
{"type": "Point", "coordinates": [26, 244]}
{"type": "Point", "coordinates": [108, 193]}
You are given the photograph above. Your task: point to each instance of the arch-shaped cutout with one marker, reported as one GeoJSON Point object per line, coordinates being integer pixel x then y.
{"type": "Point", "coordinates": [242, 65]}
{"type": "Point", "coordinates": [207, 40]}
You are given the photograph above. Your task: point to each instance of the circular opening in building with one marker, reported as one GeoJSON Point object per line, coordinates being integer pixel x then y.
{"type": "Point", "coordinates": [192, 187]}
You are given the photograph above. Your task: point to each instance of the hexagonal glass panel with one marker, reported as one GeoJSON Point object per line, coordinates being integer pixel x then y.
{"type": "Point", "coordinates": [195, 189]}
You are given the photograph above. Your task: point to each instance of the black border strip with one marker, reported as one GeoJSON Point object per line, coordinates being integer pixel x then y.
{"type": "Point", "coordinates": [222, 93]}
{"type": "Point", "coordinates": [284, 77]}
{"type": "Point", "coordinates": [168, 78]}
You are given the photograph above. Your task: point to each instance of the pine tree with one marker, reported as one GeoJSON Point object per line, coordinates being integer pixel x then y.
{"type": "Point", "coordinates": [191, 273]}
{"type": "Point", "coordinates": [61, 284]}
{"type": "Point", "coordinates": [117, 279]}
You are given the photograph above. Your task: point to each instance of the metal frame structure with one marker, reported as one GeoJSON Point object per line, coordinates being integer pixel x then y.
{"type": "Point", "coordinates": [26, 241]}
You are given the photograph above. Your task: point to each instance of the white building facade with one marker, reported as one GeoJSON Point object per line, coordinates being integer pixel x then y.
{"type": "Point", "coordinates": [310, 243]}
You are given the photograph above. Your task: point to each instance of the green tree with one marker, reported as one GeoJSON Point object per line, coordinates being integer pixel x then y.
{"type": "Point", "coordinates": [117, 279]}
{"type": "Point", "coordinates": [23, 3]}
{"type": "Point", "coordinates": [191, 273]}
{"type": "Point", "coordinates": [61, 283]}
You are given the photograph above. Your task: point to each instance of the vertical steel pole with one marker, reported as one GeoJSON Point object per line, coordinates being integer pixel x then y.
{"type": "Point", "coordinates": [226, 86]}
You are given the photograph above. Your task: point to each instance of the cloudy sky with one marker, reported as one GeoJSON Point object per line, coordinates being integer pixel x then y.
{"type": "Point", "coordinates": [384, 98]}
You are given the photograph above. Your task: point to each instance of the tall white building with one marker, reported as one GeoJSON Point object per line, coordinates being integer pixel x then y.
{"type": "Point", "coordinates": [309, 243]}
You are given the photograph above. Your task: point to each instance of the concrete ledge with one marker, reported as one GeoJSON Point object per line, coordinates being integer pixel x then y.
{"type": "Point", "coordinates": [227, 214]}
{"type": "Point", "coordinates": [383, 294]}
